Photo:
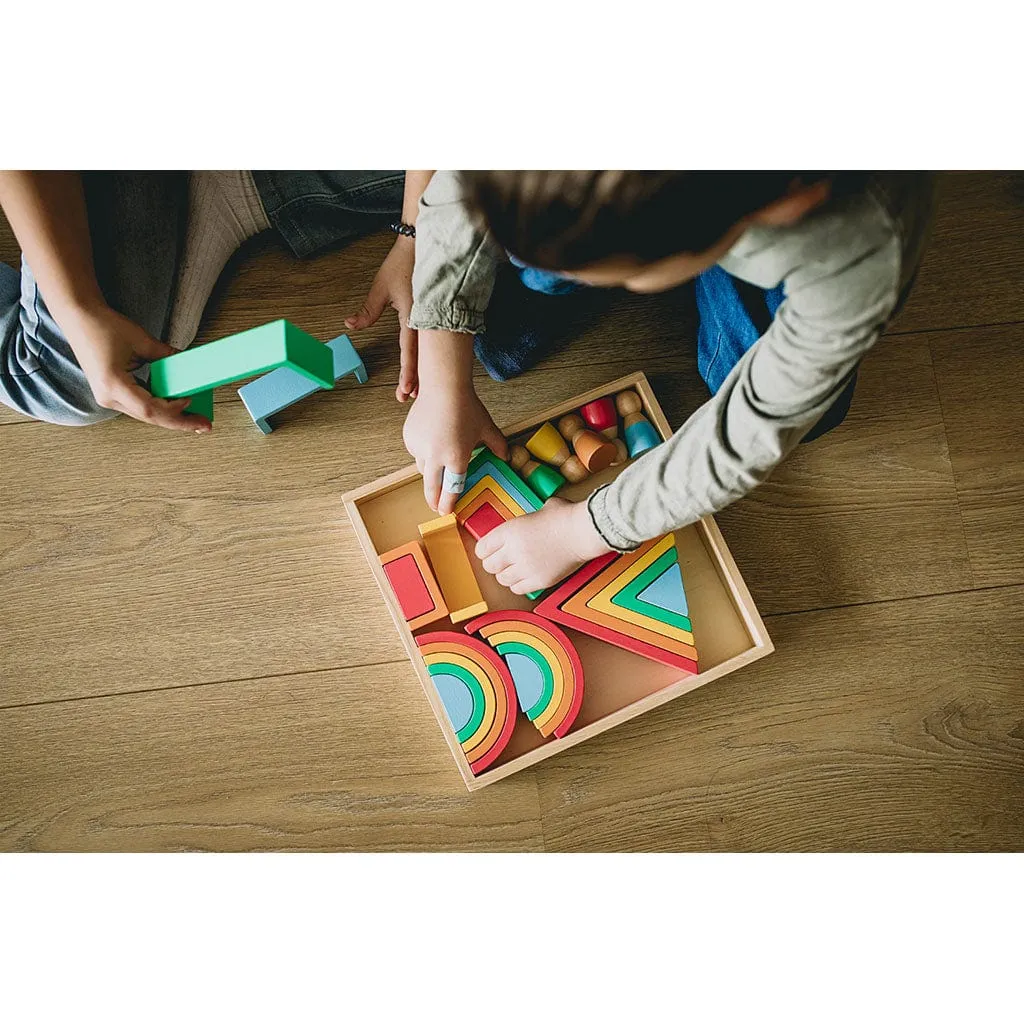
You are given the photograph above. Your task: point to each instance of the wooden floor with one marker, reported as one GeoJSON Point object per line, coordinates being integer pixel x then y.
{"type": "Point", "coordinates": [195, 656]}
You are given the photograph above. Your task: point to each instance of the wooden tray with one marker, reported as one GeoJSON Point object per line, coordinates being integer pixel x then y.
{"type": "Point", "coordinates": [619, 685]}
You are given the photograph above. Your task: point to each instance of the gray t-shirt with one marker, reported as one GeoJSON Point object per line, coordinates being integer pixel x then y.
{"type": "Point", "coordinates": [846, 268]}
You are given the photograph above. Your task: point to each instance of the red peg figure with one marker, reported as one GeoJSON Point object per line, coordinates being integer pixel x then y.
{"type": "Point", "coordinates": [594, 451]}
{"type": "Point", "coordinates": [600, 416]}
{"type": "Point", "coordinates": [640, 435]}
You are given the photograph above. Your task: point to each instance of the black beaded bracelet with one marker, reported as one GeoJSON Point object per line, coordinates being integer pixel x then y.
{"type": "Point", "coordinates": [401, 228]}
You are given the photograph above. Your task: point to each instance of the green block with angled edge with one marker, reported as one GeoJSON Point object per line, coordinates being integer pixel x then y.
{"type": "Point", "coordinates": [247, 354]}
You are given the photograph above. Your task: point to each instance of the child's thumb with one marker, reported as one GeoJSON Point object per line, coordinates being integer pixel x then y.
{"type": "Point", "coordinates": [149, 348]}
{"type": "Point", "coordinates": [370, 311]}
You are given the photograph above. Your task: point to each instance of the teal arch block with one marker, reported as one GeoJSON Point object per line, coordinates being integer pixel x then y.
{"type": "Point", "coordinates": [198, 371]}
{"type": "Point", "coordinates": [283, 387]}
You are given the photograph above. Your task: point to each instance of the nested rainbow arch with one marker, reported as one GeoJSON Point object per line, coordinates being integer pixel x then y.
{"type": "Point", "coordinates": [544, 665]}
{"type": "Point", "coordinates": [477, 691]}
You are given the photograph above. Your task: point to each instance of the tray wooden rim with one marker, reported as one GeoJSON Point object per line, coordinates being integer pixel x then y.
{"type": "Point", "coordinates": [707, 529]}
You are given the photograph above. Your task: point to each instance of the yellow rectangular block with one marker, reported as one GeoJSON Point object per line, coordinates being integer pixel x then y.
{"type": "Point", "coordinates": [452, 568]}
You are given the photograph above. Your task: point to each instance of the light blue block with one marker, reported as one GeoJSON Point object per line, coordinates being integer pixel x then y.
{"type": "Point", "coordinates": [283, 387]}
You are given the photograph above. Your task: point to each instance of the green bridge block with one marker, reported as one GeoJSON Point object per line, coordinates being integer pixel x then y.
{"type": "Point", "coordinates": [198, 371]}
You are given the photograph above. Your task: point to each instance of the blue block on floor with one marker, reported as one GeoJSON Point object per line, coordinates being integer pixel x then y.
{"type": "Point", "coordinates": [280, 388]}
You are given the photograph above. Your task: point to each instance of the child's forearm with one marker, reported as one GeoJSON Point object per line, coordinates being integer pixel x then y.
{"type": "Point", "coordinates": [445, 360]}
{"type": "Point", "coordinates": [416, 183]}
{"type": "Point", "coordinates": [46, 211]}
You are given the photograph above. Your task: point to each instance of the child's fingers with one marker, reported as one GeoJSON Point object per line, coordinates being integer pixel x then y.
{"type": "Point", "coordinates": [495, 440]}
{"type": "Point", "coordinates": [509, 577]}
{"type": "Point", "coordinates": [496, 562]}
{"type": "Point", "coordinates": [408, 342]}
{"type": "Point", "coordinates": [149, 348]}
{"type": "Point", "coordinates": [489, 544]}
{"type": "Point", "coordinates": [371, 309]}
{"type": "Point", "coordinates": [432, 473]}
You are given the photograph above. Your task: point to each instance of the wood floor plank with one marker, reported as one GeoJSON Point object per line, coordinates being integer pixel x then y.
{"type": "Point", "coordinates": [891, 726]}
{"type": "Point", "coordinates": [980, 375]}
{"type": "Point", "coordinates": [340, 760]}
{"type": "Point", "coordinates": [974, 265]}
{"type": "Point", "coordinates": [162, 558]}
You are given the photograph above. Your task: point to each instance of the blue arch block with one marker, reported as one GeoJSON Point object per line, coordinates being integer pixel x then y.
{"type": "Point", "coordinates": [283, 387]}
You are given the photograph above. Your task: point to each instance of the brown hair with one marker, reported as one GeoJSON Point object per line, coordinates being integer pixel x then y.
{"type": "Point", "coordinates": [565, 220]}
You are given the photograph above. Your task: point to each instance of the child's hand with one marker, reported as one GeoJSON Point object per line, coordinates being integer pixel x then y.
{"type": "Point", "coordinates": [535, 551]}
{"type": "Point", "coordinates": [393, 287]}
{"type": "Point", "coordinates": [443, 427]}
{"type": "Point", "coordinates": [108, 347]}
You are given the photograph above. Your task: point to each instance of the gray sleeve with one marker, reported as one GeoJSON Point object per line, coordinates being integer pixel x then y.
{"type": "Point", "coordinates": [456, 262]}
{"type": "Point", "coordinates": [835, 309]}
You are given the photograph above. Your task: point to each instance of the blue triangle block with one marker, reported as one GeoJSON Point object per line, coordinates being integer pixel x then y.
{"type": "Point", "coordinates": [667, 592]}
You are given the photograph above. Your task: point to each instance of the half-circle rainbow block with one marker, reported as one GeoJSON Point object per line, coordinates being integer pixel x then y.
{"type": "Point", "coordinates": [544, 665]}
{"type": "Point", "coordinates": [477, 691]}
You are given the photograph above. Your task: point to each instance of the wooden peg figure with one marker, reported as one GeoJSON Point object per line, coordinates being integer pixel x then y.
{"type": "Point", "coordinates": [545, 480]}
{"type": "Point", "coordinates": [548, 445]}
{"type": "Point", "coordinates": [640, 435]}
{"type": "Point", "coordinates": [600, 416]}
{"type": "Point", "coordinates": [623, 451]}
{"type": "Point", "coordinates": [594, 451]}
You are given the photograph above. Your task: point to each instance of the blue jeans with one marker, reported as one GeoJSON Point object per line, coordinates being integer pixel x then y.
{"type": "Point", "coordinates": [137, 222]}
{"type": "Point", "coordinates": [733, 315]}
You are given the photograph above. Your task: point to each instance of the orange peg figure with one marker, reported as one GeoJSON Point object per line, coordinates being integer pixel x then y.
{"type": "Point", "coordinates": [594, 451]}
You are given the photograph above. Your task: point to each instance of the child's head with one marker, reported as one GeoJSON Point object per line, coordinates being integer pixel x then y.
{"type": "Point", "coordinates": [643, 230]}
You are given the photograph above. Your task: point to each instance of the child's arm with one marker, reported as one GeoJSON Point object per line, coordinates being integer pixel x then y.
{"type": "Point", "coordinates": [836, 307]}
{"type": "Point", "coordinates": [46, 211]}
{"type": "Point", "coordinates": [393, 286]}
{"type": "Point", "coordinates": [447, 420]}
{"type": "Point", "coordinates": [456, 262]}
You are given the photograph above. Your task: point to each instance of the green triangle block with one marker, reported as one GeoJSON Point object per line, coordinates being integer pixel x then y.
{"type": "Point", "coordinates": [628, 596]}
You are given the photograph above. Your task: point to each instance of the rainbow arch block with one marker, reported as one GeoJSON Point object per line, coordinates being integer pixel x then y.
{"type": "Point", "coordinates": [544, 665]}
{"type": "Point", "coordinates": [477, 691]}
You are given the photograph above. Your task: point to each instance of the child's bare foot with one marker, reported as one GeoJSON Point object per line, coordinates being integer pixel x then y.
{"type": "Point", "coordinates": [534, 552]}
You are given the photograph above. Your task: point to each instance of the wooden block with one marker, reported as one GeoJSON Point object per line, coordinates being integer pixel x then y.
{"type": "Point", "coordinates": [593, 624]}
{"type": "Point", "coordinates": [486, 465]}
{"type": "Point", "coordinates": [483, 519]}
{"type": "Point", "coordinates": [491, 491]}
{"type": "Point", "coordinates": [548, 647]}
{"type": "Point", "coordinates": [452, 568]}
{"type": "Point", "coordinates": [507, 492]}
{"type": "Point", "coordinates": [646, 563]}
{"type": "Point", "coordinates": [264, 348]}
{"type": "Point", "coordinates": [452, 657]}
{"type": "Point", "coordinates": [625, 621]}
{"type": "Point", "coordinates": [277, 390]}
{"type": "Point", "coordinates": [409, 574]}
